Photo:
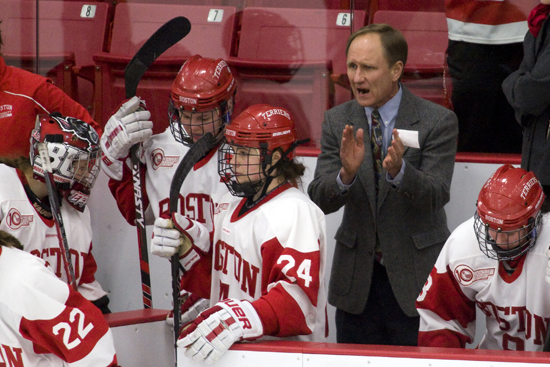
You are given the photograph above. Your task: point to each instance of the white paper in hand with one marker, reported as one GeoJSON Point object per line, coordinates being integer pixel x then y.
{"type": "Point", "coordinates": [409, 138]}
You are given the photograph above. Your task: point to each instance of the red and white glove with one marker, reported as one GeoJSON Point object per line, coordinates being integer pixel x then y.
{"type": "Point", "coordinates": [180, 234]}
{"type": "Point", "coordinates": [216, 329]}
{"type": "Point", "coordinates": [128, 126]}
{"type": "Point", "coordinates": [190, 308]}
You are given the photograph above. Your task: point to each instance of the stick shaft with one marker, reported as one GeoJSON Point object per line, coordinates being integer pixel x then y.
{"type": "Point", "coordinates": [58, 219]}
{"type": "Point", "coordinates": [166, 36]}
{"type": "Point", "coordinates": [138, 182]}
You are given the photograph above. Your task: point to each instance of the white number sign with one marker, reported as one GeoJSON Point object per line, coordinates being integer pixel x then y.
{"type": "Point", "coordinates": [215, 15]}
{"type": "Point", "coordinates": [88, 11]}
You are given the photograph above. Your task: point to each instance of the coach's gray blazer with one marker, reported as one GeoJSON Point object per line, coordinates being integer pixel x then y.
{"type": "Point", "coordinates": [410, 220]}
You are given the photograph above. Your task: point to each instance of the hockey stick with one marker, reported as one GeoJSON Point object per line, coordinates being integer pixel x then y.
{"type": "Point", "coordinates": [546, 347]}
{"type": "Point", "coordinates": [198, 151]}
{"type": "Point", "coordinates": [166, 36]}
{"type": "Point", "coordinates": [56, 212]}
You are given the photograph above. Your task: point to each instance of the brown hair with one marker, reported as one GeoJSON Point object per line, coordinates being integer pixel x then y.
{"type": "Point", "coordinates": [8, 240]}
{"type": "Point", "coordinates": [290, 169]}
{"type": "Point", "coordinates": [394, 43]}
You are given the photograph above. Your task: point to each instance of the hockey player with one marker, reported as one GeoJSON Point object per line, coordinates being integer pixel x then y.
{"type": "Point", "coordinates": [268, 249]}
{"type": "Point", "coordinates": [202, 97]}
{"type": "Point", "coordinates": [43, 321]}
{"type": "Point", "coordinates": [25, 212]}
{"type": "Point", "coordinates": [494, 260]}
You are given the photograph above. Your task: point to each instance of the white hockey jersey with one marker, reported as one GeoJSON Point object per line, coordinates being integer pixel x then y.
{"type": "Point", "coordinates": [517, 306]}
{"type": "Point", "coordinates": [490, 22]}
{"type": "Point", "coordinates": [274, 256]}
{"type": "Point", "coordinates": [199, 193]}
{"type": "Point", "coordinates": [39, 235]}
{"type": "Point", "coordinates": [43, 322]}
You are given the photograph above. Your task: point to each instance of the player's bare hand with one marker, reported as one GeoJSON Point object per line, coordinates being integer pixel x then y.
{"type": "Point", "coordinates": [394, 159]}
{"type": "Point", "coordinates": [352, 153]}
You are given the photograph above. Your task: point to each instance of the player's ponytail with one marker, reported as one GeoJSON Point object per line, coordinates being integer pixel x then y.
{"type": "Point", "coordinates": [8, 240]}
{"type": "Point", "coordinates": [291, 170]}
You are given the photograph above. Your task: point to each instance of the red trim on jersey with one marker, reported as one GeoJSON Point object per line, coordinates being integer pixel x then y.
{"type": "Point", "coordinates": [89, 268]}
{"type": "Point", "coordinates": [443, 338]}
{"type": "Point", "coordinates": [510, 278]}
{"type": "Point", "coordinates": [123, 192]}
{"type": "Point", "coordinates": [488, 12]}
{"type": "Point", "coordinates": [199, 278]}
{"type": "Point", "coordinates": [205, 160]}
{"type": "Point", "coordinates": [235, 216]}
{"type": "Point", "coordinates": [444, 297]}
{"type": "Point", "coordinates": [280, 314]}
{"type": "Point", "coordinates": [79, 313]}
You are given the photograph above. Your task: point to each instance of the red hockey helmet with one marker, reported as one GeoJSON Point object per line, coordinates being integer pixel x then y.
{"type": "Point", "coordinates": [204, 88]}
{"type": "Point", "coordinates": [75, 156]}
{"type": "Point", "coordinates": [508, 213]}
{"type": "Point", "coordinates": [258, 130]}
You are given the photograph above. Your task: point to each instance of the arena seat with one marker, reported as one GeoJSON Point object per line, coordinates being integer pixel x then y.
{"type": "Point", "coordinates": [65, 47]}
{"type": "Point", "coordinates": [311, 4]}
{"type": "Point", "coordinates": [426, 73]}
{"type": "Point", "coordinates": [236, 3]}
{"type": "Point", "coordinates": [285, 58]}
{"type": "Point", "coordinates": [212, 35]}
{"type": "Point", "coordinates": [400, 5]}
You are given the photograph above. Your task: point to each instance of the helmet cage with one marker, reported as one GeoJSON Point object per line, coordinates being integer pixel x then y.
{"type": "Point", "coordinates": [243, 169]}
{"type": "Point", "coordinates": [524, 238]}
{"type": "Point", "coordinates": [508, 215]}
{"type": "Point", "coordinates": [203, 86]}
{"type": "Point", "coordinates": [188, 133]}
{"type": "Point", "coordinates": [75, 156]}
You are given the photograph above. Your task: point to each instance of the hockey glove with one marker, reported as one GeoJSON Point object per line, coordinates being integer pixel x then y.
{"type": "Point", "coordinates": [180, 234]}
{"type": "Point", "coordinates": [190, 308]}
{"type": "Point", "coordinates": [129, 126]}
{"type": "Point", "coordinates": [216, 329]}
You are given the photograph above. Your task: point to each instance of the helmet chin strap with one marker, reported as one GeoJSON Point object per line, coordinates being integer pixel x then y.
{"type": "Point", "coordinates": [508, 254]}
{"type": "Point", "coordinates": [250, 190]}
{"type": "Point", "coordinates": [270, 170]}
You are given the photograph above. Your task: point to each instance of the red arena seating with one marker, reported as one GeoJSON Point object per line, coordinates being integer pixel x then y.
{"type": "Point", "coordinates": [235, 3]}
{"type": "Point", "coordinates": [426, 33]}
{"type": "Point", "coordinates": [313, 4]}
{"type": "Point", "coordinates": [417, 5]}
{"type": "Point", "coordinates": [64, 43]}
{"type": "Point", "coordinates": [285, 58]}
{"type": "Point", "coordinates": [212, 35]}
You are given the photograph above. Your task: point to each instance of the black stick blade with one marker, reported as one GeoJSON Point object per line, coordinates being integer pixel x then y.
{"type": "Point", "coordinates": [165, 37]}
{"type": "Point", "coordinates": [198, 151]}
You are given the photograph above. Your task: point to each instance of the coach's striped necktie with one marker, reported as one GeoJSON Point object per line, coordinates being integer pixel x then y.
{"type": "Point", "coordinates": [376, 143]}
